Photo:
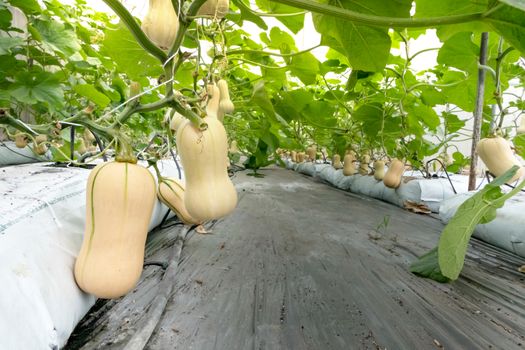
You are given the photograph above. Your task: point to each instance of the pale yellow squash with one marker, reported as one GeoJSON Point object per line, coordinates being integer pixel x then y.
{"type": "Point", "coordinates": [301, 156]}
{"type": "Point", "coordinates": [349, 165]}
{"type": "Point", "coordinates": [214, 8]}
{"type": "Point", "coordinates": [161, 23]}
{"type": "Point", "coordinates": [210, 194]}
{"type": "Point", "coordinates": [497, 155]}
{"type": "Point", "coordinates": [379, 170]}
{"type": "Point", "coordinates": [176, 120]}
{"type": "Point", "coordinates": [119, 202]}
{"type": "Point", "coordinates": [364, 168]}
{"type": "Point", "coordinates": [225, 105]}
{"type": "Point", "coordinates": [171, 192]}
{"type": "Point", "coordinates": [336, 162]}
{"type": "Point", "coordinates": [394, 174]}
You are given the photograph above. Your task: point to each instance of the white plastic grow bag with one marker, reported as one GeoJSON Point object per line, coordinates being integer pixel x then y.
{"type": "Point", "coordinates": [42, 215]}
{"type": "Point", "coordinates": [506, 231]}
{"type": "Point", "coordinates": [306, 169]}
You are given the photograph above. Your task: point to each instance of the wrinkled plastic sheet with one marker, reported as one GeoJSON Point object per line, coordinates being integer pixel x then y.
{"type": "Point", "coordinates": [42, 216]}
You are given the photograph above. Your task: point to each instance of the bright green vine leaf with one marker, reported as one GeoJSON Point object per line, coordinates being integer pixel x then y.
{"type": "Point", "coordinates": [136, 62]}
{"type": "Point", "coordinates": [9, 43]}
{"type": "Point", "coordinates": [248, 15]}
{"type": "Point", "coordinates": [92, 94]}
{"type": "Point", "coordinates": [28, 6]}
{"type": "Point", "coordinates": [510, 22]}
{"type": "Point", "coordinates": [480, 208]}
{"type": "Point", "coordinates": [294, 23]}
{"type": "Point", "coordinates": [433, 8]}
{"type": "Point", "coordinates": [460, 52]}
{"type": "Point", "coordinates": [427, 266]}
{"type": "Point", "coordinates": [56, 37]}
{"type": "Point", "coordinates": [34, 87]}
{"type": "Point", "coordinates": [5, 18]}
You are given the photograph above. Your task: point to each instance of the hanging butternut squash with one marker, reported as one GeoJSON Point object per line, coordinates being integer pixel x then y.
{"type": "Point", "coordinates": [497, 155]}
{"type": "Point", "coordinates": [171, 192]}
{"type": "Point", "coordinates": [210, 194]}
{"type": "Point", "coordinates": [214, 96]}
{"type": "Point", "coordinates": [119, 201]}
{"type": "Point", "coordinates": [394, 174]}
{"type": "Point", "coordinates": [225, 105]}
{"type": "Point", "coordinates": [161, 23]}
{"type": "Point", "coordinates": [379, 170]}
{"type": "Point", "coordinates": [214, 8]}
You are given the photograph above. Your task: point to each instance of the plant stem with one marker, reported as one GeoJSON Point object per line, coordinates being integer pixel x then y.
{"type": "Point", "coordinates": [476, 132]}
{"type": "Point", "coordinates": [135, 30]}
{"type": "Point", "coordinates": [381, 21]}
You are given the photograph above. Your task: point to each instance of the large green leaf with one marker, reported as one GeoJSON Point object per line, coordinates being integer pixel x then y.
{"type": "Point", "coordinates": [34, 87]}
{"type": "Point", "coordinates": [8, 43]}
{"type": "Point", "coordinates": [28, 6]}
{"type": "Point", "coordinates": [510, 23]}
{"type": "Point", "coordinates": [294, 23]}
{"type": "Point", "coordinates": [5, 18]}
{"type": "Point", "coordinates": [480, 208]}
{"type": "Point", "coordinates": [248, 15]}
{"type": "Point", "coordinates": [92, 94]}
{"type": "Point", "coordinates": [460, 52]}
{"type": "Point", "coordinates": [56, 37]}
{"type": "Point", "coordinates": [433, 8]}
{"type": "Point", "coordinates": [130, 57]}
{"type": "Point", "coordinates": [425, 114]}
{"type": "Point", "coordinates": [305, 67]}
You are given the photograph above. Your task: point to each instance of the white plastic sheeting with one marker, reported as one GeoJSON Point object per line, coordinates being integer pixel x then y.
{"type": "Point", "coordinates": [11, 155]}
{"type": "Point", "coordinates": [42, 215]}
{"type": "Point", "coordinates": [506, 231]}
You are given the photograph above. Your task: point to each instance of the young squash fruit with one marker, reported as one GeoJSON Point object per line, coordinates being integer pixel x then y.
{"type": "Point", "coordinates": [336, 162]}
{"type": "Point", "coordinates": [119, 201]}
{"type": "Point", "coordinates": [293, 156]}
{"type": "Point", "coordinates": [225, 105]}
{"type": "Point", "coordinates": [349, 165]}
{"type": "Point", "coordinates": [171, 192]}
{"type": "Point", "coordinates": [301, 156]}
{"type": "Point", "coordinates": [20, 140]}
{"type": "Point", "coordinates": [210, 194]}
{"type": "Point", "coordinates": [215, 8]}
{"type": "Point", "coordinates": [312, 153]}
{"type": "Point", "coordinates": [214, 97]}
{"type": "Point", "coordinates": [161, 23]}
{"type": "Point", "coordinates": [394, 174]}
{"type": "Point", "coordinates": [497, 155]}
{"type": "Point", "coordinates": [379, 170]}
{"type": "Point", "coordinates": [363, 165]}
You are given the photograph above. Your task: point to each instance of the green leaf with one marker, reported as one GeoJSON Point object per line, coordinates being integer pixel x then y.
{"type": "Point", "coordinates": [432, 8]}
{"type": "Point", "coordinates": [510, 23]}
{"type": "Point", "coordinates": [56, 37]}
{"type": "Point", "coordinates": [427, 266]}
{"type": "Point", "coordinates": [260, 98]}
{"type": "Point", "coordinates": [305, 66]}
{"type": "Point", "coordinates": [130, 57]}
{"type": "Point", "coordinates": [460, 52]}
{"type": "Point", "coordinates": [248, 15]}
{"type": "Point", "coordinates": [5, 18]}
{"type": "Point", "coordinates": [8, 43]}
{"type": "Point", "coordinates": [92, 94]}
{"type": "Point", "coordinates": [28, 6]}
{"type": "Point", "coordinates": [452, 122]}
{"type": "Point", "coordinates": [480, 208]}
{"type": "Point", "coordinates": [425, 114]}
{"type": "Point", "coordinates": [31, 87]}
{"type": "Point", "coordinates": [294, 23]}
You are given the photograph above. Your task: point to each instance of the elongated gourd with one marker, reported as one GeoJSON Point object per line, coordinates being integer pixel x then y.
{"type": "Point", "coordinates": [210, 194]}
{"type": "Point", "coordinates": [363, 165]}
{"type": "Point", "coordinates": [161, 23]}
{"type": "Point", "coordinates": [214, 8]}
{"type": "Point", "coordinates": [214, 96]}
{"type": "Point", "coordinates": [225, 105]}
{"type": "Point", "coordinates": [301, 157]}
{"type": "Point", "coordinates": [171, 192]}
{"type": "Point", "coordinates": [521, 129]}
{"type": "Point", "coordinates": [379, 170]}
{"type": "Point", "coordinates": [293, 156]}
{"type": "Point", "coordinates": [349, 165]}
{"type": "Point", "coordinates": [336, 162]}
{"type": "Point", "coordinates": [119, 201]}
{"type": "Point", "coordinates": [176, 121]}
{"type": "Point", "coordinates": [394, 174]}
{"type": "Point", "coordinates": [497, 155]}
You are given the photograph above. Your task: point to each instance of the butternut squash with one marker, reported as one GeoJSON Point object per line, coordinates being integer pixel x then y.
{"type": "Point", "coordinates": [119, 201]}
{"type": "Point", "coordinates": [336, 162]}
{"type": "Point", "coordinates": [176, 121]}
{"type": "Point", "coordinates": [521, 129]}
{"type": "Point", "coordinates": [312, 153]}
{"type": "Point", "coordinates": [294, 156]}
{"type": "Point", "coordinates": [171, 192]}
{"type": "Point", "coordinates": [20, 140]}
{"type": "Point", "coordinates": [88, 136]}
{"type": "Point", "coordinates": [39, 146]}
{"type": "Point", "coordinates": [214, 96]}
{"type": "Point", "coordinates": [161, 23]}
{"type": "Point", "coordinates": [225, 105]}
{"type": "Point", "coordinates": [215, 8]}
{"type": "Point", "coordinates": [394, 174]}
{"type": "Point", "coordinates": [300, 157]}
{"type": "Point", "coordinates": [497, 155]}
{"type": "Point", "coordinates": [210, 194]}
{"type": "Point", "coordinates": [379, 170]}
{"type": "Point", "coordinates": [349, 165]}
{"type": "Point", "coordinates": [364, 165]}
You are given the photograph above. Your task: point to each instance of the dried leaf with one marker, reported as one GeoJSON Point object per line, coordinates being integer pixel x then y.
{"type": "Point", "coordinates": [418, 208]}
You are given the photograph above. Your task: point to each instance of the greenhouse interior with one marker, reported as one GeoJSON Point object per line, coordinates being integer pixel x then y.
{"type": "Point", "coordinates": [262, 174]}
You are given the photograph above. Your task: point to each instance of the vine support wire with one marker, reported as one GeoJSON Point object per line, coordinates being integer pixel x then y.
{"type": "Point", "coordinates": [478, 111]}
